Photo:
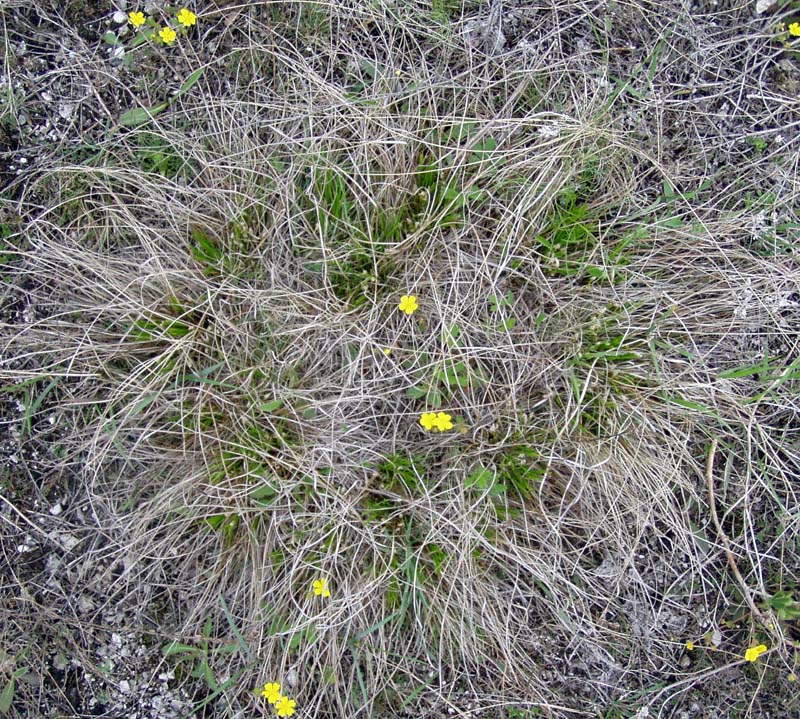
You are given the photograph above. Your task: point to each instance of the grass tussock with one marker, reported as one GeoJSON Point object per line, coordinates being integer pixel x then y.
{"type": "Point", "coordinates": [217, 299]}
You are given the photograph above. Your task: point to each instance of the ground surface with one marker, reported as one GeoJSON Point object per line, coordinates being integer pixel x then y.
{"type": "Point", "coordinates": [211, 399]}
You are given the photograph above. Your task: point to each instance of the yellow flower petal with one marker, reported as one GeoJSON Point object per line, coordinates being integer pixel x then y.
{"type": "Point", "coordinates": [186, 17]}
{"type": "Point", "coordinates": [428, 420]}
{"type": "Point", "coordinates": [443, 421]}
{"type": "Point", "coordinates": [754, 653]}
{"type": "Point", "coordinates": [408, 304]}
{"type": "Point", "coordinates": [285, 706]}
{"type": "Point", "coordinates": [271, 692]}
{"type": "Point", "coordinates": [321, 588]}
{"type": "Point", "coordinates": [794, 29]}
{"type": "Point", "coordinates": [136, 18]}
{"type": "Point", "coordinates": [167, 35]}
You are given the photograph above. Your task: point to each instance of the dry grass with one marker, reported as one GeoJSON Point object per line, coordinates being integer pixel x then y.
{"type": "Point", "coordinates": [215, 291]}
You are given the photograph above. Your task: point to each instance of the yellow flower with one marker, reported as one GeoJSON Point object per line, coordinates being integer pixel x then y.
{"type": "Point", "coordinates": [408, 304]}
{"type": "Point", "coordinates": [690, 646]}
{"type": "Point", "coordinates": [387, 351]}
{"type": "Point", "coordinates": [271, 692]}
{"type": "Point", "coordinates": [136, 18]}
{"type": "Point", "coordinates": [428, 420]}
{"type": "Point", "coordinates": [754, 652]}
{"type": "Point", "coordinates": [186, 17]}
{"type": "Point", "coordinates": [321, 588]}
{"type": "Point", "coordinates": [285, 706]}
{"type": "Point", "coordinates": [794, 29]}
{"type": "Point", "coordinates": [167, 35]}
{"type": "Point", "coordinates": [443, 421]}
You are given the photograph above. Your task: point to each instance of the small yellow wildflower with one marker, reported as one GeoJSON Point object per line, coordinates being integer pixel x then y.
{"type": "Point", "coordinates": [443, 421]}
{"type": "Point", "coordinates": [136, 18]}
{"type": "Point", "coordinates": [387, 351]}
{"type": "Point", "coordinates": [186, 17]}
{"type": "Point", "coordinates": [428, 420]}
{"type": "Point", "coordinates": [408, 304]}
{"type": "Point", "coordinates": [754, 652]}
{"type": "Point", "coordinates": [321, 588]}
{"type": "Point", "coordinates": [794, 29]}
{"type": "Point", "coordinates": [690, 646]}
{"type": "Point", "coordinates": [271, 692]}
{"type": "Point", "coordinates": [285, 706]}
{"type": "Point", "coordinates": [167, 35]}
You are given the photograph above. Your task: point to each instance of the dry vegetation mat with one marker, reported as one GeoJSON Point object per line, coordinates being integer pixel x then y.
{"type": "Point", "coordinates": [400, 358]}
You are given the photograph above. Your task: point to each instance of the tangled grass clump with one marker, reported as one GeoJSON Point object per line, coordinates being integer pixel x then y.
{"type": "Point", "coordinates": [218, 329]}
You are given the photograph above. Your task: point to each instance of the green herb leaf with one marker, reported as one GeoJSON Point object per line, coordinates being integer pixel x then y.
{"type": "Point", "coordinates": [416, 392]}
{"type": "Point", "coordinates": [141, 115]}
